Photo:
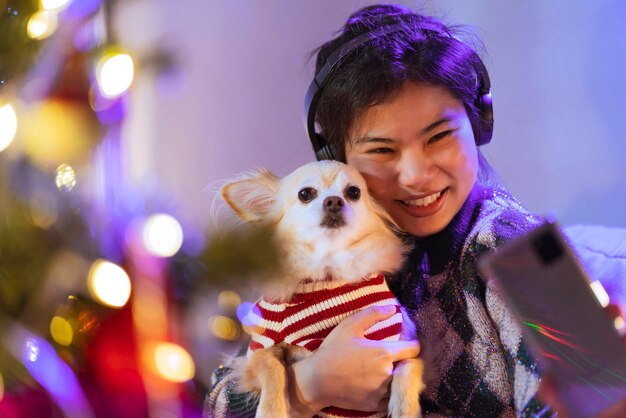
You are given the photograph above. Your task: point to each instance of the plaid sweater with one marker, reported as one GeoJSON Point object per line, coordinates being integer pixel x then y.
{"type": "Point", "coordinates": [476, 361]}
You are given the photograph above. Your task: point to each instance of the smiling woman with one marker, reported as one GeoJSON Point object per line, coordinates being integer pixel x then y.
{"type": "Point", "coordinates": [401, 98]}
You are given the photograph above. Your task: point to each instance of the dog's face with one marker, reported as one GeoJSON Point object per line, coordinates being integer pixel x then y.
{"type": "Point", "coordinates": [324, 217]}
{"type": "Point", "coordinates": [317, 201]}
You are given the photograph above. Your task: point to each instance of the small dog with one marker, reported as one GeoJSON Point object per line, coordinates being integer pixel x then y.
{"type": "Point", "coordinates": [337, 242]}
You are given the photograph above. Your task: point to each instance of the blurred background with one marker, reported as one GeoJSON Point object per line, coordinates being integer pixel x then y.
{"type": "Point", "coordinates": [122, 279]}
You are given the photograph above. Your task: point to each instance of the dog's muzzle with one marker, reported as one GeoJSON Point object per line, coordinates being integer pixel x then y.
{"type": "Point", "coordinates": [333, 212]}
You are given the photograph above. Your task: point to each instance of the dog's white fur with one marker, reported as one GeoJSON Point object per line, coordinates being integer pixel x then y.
{"type": "Point", "coordinates": [313, 253]}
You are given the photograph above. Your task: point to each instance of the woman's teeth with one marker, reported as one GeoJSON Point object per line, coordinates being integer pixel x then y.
{"type": "Point", "coordinates": [425, 201]}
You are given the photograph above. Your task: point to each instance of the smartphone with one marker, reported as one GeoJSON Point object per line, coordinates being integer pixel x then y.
{"type": "Point", "coordinates": [561, 314]}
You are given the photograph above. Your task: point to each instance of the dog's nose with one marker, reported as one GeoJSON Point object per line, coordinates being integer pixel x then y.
{"type": "Point", "coordinates": [333, 204]}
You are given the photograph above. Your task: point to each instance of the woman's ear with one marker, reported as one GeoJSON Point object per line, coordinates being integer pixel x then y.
{"type": "Point", "coordinates": [253, 196]}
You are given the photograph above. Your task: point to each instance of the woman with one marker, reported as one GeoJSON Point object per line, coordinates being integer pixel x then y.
{"type": "Point", "coordinates": [407, 104]}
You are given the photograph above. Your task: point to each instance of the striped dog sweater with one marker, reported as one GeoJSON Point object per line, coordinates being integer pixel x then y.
{"type": "Point", "coordinates": [307, 318]}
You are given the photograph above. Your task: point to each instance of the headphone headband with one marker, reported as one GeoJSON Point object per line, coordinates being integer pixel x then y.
{"type": "Point", "coordinates": [483, 127]}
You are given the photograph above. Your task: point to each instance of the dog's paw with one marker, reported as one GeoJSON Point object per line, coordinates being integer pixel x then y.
{"type": "Point", "coordinates": [406, 386]}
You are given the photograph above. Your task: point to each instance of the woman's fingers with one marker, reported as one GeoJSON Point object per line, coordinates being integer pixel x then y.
{"type": "Point", "coordinates": [365, 319]}
{"type": "Point", "coordinates": [401, 350]}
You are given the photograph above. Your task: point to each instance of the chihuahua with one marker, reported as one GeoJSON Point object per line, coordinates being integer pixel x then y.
{"type": "Point", "coordinates": [337, 244]}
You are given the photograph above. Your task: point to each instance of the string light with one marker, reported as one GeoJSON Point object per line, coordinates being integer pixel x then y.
{"type": "Point", "coordinates": [65, 178]}
{"type": "Point", "coordinates": [224, 328]}
{"type": "Point", "coordinates": [42, 24]}
{"type": "Point", "coordinates": [61, 331]}
{"type": "Point", "coordinates": [114, 74]}
{"type": "Point", "coordinates": [109, 283]}
{"type": "Point", "coordinates": [227, 299]}
{"type": "Point", "coordinates": [8, 126]}
{"type": "Point", "coordinates": [162, 235]}
{"type": "Point", "coordinates": [173, 362]}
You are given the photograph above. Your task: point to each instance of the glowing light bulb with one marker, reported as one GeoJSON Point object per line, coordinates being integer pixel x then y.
{"type": "Point", "coordinates": [109, 283]}
{"type": "Point", "coordinates": [61, 331]}
{"type": "Point", "coordinates": [42, 24]}
{"type": "Point", "coordinates": [228, 299]}
{"type": "Point", "coordinates": [8, 126]}
{"type": "Point", "coordinates": [162, 235]}
{"type": "Point", "coordinates": [115, 74]}
{"type": "Point", "coordinates": [66, 177]}
{"type": "Point", "coordinates": [173, 362]}
{"type": "Point", "coordinates": [54, 4]}
{"type": "Point", "coordinates": [224, 328]}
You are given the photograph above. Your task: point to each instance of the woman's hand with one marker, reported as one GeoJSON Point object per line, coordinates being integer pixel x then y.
{"type": "Point", "coordinates": [548, 390]}
{"type": "Point", "coordinates": [348, 370]}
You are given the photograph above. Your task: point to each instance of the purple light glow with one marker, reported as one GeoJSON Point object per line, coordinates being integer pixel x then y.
{"type": "Point", "coordinates": [110, 111]}
{"type": "Point", "coordinates": [82, 8]}
{"type": "Point", "coordinates": [52, 373]}
{"type": "Point", "coordinates": [242, 312]}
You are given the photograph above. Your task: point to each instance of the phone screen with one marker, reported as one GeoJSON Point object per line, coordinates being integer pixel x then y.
{"type": "Point", "coordinates": [548, 291]}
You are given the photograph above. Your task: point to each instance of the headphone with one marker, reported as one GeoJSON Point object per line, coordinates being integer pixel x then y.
{"type": "Point", "coordinates": [482, 127]}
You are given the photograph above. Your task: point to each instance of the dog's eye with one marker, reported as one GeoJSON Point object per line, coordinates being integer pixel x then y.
{"type": "Point", "coordinates": [353, 193]}
{"type": "Point", "coordinates": [307, 194]}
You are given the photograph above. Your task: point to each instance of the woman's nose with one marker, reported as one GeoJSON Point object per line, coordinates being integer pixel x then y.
{"type": "Point", "coordinates": [414, 169]}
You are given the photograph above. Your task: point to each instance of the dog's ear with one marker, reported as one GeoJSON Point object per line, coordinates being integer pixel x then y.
{"type": "Point", "coordinates": [252, 197]}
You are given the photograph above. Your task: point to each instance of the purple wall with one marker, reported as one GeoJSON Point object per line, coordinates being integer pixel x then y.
{"type": "Point", "coordinates": [556, 67]}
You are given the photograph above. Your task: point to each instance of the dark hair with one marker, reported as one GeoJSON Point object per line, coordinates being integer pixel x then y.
{"type": "Point", "coordinates": [377, 70]}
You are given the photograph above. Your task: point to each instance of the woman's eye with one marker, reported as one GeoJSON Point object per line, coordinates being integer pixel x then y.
{"type": "Point", "coordinates": [440, 136]}
{"type": "Point", "coordinates": [353, 193]}
{"type": "Point", "coordinates": [307, 194]}
{"type": "Point", "coordinates": [380, 151]}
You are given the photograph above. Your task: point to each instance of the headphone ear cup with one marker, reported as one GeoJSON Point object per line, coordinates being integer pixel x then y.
{"type": "Point", "coordinates": [325, 152]}
{"type": "Point", "coordinates": [485, 120]}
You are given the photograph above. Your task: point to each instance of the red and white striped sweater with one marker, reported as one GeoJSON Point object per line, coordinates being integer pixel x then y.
{"type": "Point", "coordinates": [307, 318]}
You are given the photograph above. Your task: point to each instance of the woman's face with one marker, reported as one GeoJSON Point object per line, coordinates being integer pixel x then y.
{"type": "Point", "coordinates": [418, 156]}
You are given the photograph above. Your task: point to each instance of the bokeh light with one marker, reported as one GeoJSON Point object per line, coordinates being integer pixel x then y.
{"type": "Point", "coordinates": [115, 74]}
{"type": "Point", "coordinates": [50, 371]}
{"type": "Point", "coordinates": [109, 283]}
{"type": "Point", "coordinates": [173, 362]}
{"type": "Point", "coordinates": [65, 178]}
{"type": "Point", "coordinates": [224, 328]}
{"type": "Point", "coordinates": [243, 310]}
{"type": "Point", "coordinates": [31, 350]}
{"type": "Point", "coordinates": [58, 130]}
{"type": "Point", "coordinates": [61, 331]}
{"type": "Point", "coordinates": [54, 4]}
{"type": "Point", "coordinates": [8, 126]}
{"type": "Point", "coordinates": [162, 235]}
{"type": "Point", "coordinates": [42, 24]}
{"type": "Point", "coordinates": [228, 300]}
{"type": "Point", "coordinates": [43, 210]}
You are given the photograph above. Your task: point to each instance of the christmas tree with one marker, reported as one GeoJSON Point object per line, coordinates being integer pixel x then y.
{"type": "Point", "coordinates": [97, 279]}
